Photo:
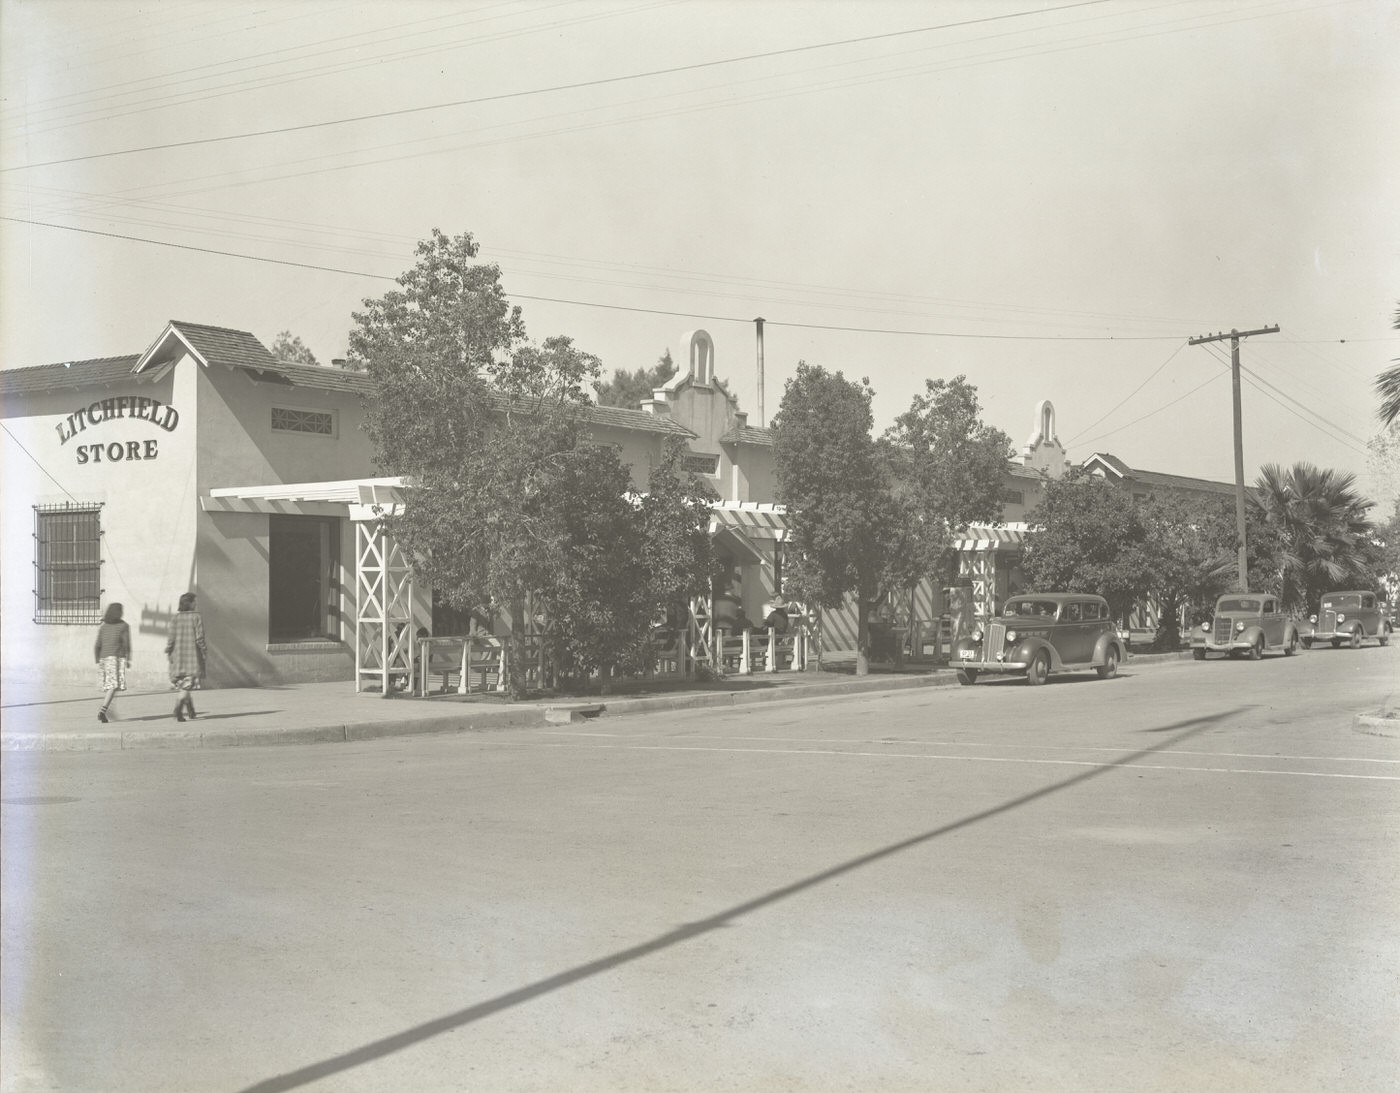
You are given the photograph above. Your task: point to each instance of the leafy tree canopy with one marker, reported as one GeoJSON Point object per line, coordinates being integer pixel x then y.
{"type": "Point", "coordinates": [289, 348]}
{"type": "Point", "coordinates": [514, 504]}
{"type": "Point", "coordinates": [1318, 520]}
{"type": "Point", "coordinates": [871, 515]}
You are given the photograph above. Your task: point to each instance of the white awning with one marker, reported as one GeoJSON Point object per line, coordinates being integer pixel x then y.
{"type": "Point", "coordinates": [351, 497]}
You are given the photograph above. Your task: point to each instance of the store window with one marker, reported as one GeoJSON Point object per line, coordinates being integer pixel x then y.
{"type": "Point", "coordinates": [303, 579]}
{"type": "Point", "coordinates": [68, 563]}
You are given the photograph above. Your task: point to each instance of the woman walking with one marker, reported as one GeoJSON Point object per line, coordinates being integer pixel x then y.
{"type": "Point", "coordinates": [112, 649]}
{"type": "Point", "coordinates": [186, 651]}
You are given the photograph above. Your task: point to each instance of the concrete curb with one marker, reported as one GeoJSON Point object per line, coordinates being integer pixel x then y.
{"type": "Point", "coordinates": [477, 719]}
{"type": "Point", "coordinates": [1377, 724]}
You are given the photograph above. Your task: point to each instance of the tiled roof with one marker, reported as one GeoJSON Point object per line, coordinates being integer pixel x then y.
{"type": "Point", "coordinates": [1181, 482]}
{"type": "Point", "coordinates": [98, 372]}
{"type": "Point", "coordinates": [240, 349]}
{"type": "Point", "coordinates": [748, 434]}
{"type": "Point", "coordinates": [220, 345]}
{"type": "Point", "coordinates": [640, 420]}
{"type": "Point", "coordinates": [1164, 481]}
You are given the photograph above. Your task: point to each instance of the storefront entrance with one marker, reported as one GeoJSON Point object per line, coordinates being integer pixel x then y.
{"type": "Point", "coordinates": [302, 578]}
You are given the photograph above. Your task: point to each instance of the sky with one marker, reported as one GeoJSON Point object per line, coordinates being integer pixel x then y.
{"type": "Point", "coordinates": [1049, 198]}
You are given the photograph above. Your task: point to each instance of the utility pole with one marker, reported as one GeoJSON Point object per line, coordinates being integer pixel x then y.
{"type": "Point", "coordinates": [1235, 336]}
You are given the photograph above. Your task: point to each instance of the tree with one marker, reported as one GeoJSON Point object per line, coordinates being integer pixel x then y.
{"type": "Point", "coordinates": [486, 423]}
{"type": "Point", "coordinates": [289, 348]}
{"type": "Point", "coordinates": [626, 559]}
{"type": "Point", "coordinates": [1090, 536]}
{"type": "Point", "coordinates": [870, 516]}
{"type": "Point", "coordinates": [449, 310]}
{"type": "Point", "coordinates": [949, 464]}
{"type": "Point", "coordinates": [630, 389]}
{"type": "Point", "coordinates": [1189, 557]}
{"type": "Point", "coordinates": [1388, 387]}
{"type": "Point", "coordinates": [1323, 535]}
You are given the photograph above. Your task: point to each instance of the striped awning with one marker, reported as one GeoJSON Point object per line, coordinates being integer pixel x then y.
{"type": "Point", "coordinates": [750, 518]}
{"type": "Point", "coordinates": [1010, 536]}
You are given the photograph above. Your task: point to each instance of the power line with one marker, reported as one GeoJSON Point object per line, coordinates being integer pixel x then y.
{"type": "Point", "coordinates": [583, 303]}
{"type": "Point", "coordinates": [577, 86]}
{"type": "Point", "coordinates": [1131, 393]}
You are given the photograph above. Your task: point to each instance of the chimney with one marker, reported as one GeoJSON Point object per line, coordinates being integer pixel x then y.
{"type": "Point", "coordinates": [758, 324]}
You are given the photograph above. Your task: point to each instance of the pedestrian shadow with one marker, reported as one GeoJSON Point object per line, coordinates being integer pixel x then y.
{"type": "Point", "coordinates": [399, 1041]}
{"type": "Point", "coordinates": [196, 720]}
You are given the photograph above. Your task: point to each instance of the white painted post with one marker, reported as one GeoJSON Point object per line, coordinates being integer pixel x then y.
{"type": "Point", "coordinates": [745, 665]}
{"type": "Point", "coordinates": [772, 650]}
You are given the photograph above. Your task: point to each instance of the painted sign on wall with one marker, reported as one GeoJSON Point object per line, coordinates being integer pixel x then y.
{"type": "Point", "coordinates": [80, 420]}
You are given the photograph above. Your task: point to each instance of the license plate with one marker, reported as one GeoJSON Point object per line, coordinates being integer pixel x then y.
{"type": "Point", "coordinates": [968, 654]}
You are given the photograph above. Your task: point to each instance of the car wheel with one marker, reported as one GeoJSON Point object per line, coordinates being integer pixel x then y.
{"type": "Point", "coordinates": [967, 676]}
{"type": "Point", "coordinates": [1385, 636]}
{"type": "Point", "coordinates": [1109, 668]}
{"type": "Point", "coordinates": [1354, 642]}
{"type": "Point", "coordinates": [1292, 646]}
{"type": "Point", "coordinates": [1039, 671]}
{"type": "Point", "coordinates": [1198, 654]}
{"type": "Point", "coordinates": [1257, 649]}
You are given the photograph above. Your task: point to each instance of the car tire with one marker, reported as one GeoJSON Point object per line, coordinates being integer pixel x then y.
{"type": "Point", "coordinates": [1385, 636]}
{"type": "Point", "coordinates": [1198, 654]}
{"type": "Point", "coordinates": [1039, 671]}
{"type": "Point", "coordinates": [1354, 642]}
{"type": "Point", "coordinates": [1256, 651]}
{"type": "Point", "coordinates": [1109, 668]}
{"type": "Point", "coordinates": [967, 676]}
{"type": "Point", "coordinates": [1292, 647]}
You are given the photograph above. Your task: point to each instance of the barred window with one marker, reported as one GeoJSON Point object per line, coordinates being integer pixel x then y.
{"type": "Point", "coordinates": [68, 563]}
{"type": "Point", "coordinates": [1013, 497]}
{"type": "Point", "coordinates": [316, 422]}
{"type": "Point", "coordinates": [694, 463]}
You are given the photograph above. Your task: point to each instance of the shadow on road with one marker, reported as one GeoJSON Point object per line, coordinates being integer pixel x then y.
{"type": "Point", "coordinates": [313, 1072]}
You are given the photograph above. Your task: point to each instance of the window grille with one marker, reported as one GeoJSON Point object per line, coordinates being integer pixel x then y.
{"type": "Point", "coordinates": [68, 563]}
{"type": "Point", "coordinates": [692, 463]}
{"type": "Point", "coordinates": [316, 422]}
{"type": "Point", "coordinates": [1013, 497]}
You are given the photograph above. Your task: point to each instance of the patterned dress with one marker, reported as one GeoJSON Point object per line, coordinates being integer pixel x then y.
{"type": "Point", "coordinates": [113, 650]}
{"type": "Point", "coordinates": [186, 651]}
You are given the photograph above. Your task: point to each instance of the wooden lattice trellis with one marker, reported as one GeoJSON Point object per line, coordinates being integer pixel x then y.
{"type": "Point", "coordinates": [387, 615]}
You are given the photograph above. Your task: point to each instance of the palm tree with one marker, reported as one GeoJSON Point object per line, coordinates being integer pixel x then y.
{"type": "Point", "coordinates": [1388, 387]}
{"type": "Point", "coordinates": [1320, 521]}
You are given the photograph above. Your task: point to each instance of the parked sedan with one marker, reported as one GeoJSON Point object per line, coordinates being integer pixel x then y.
{"type": "Point", "coordinates": [1348, 617]}
{"type": "Point", "coordinates": [1245, 624]}
{"type": "Point", "coordinates": [1036, 635]}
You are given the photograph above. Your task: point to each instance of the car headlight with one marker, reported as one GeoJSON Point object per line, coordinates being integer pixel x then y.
{"type": "Point", "coordinates": [1011, 635]}
{"type": "Point", "coordinates": [1205, 627]}
{"type": "Point", "coordinates": [1312, 618]}
{"type": "Point", "coordinates": [976, 633]}
{"type": "Point", "coordinates": [1341, 617]}
{"type": "Point", "coordinates": [1239, 626]}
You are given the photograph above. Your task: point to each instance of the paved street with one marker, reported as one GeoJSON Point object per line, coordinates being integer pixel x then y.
{"type": "Point", "coordinates": [1182, 879]}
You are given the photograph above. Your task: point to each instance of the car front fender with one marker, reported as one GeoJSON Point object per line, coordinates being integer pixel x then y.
{"type": "Point", "coordinates": [1026, 648]}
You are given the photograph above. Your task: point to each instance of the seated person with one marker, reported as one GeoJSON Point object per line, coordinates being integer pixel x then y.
{"type": "Point", "coordinates": [776, 617]}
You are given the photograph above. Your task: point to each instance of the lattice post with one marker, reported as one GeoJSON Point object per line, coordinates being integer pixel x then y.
{"type": "Point", "coordinates": [386, 614]}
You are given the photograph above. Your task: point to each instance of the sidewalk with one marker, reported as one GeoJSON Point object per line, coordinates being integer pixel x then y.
{"type": "Point", "coordinates": [63, 717]}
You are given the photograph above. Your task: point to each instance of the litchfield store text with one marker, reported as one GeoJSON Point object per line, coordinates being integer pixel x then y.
{"type": "Point", "coordinates": [110, 409]}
